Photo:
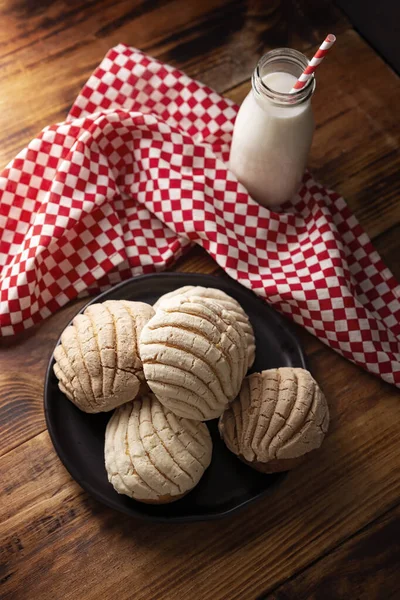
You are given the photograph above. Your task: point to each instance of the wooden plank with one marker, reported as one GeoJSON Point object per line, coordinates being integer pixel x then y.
{"type": "Point", "coordinates": [364, 567]}
{"type": "Point", "coordinates": [197, 261]}
{"type": "Point", "coordinates": [388, 246]}
{"type": "Point", "coordinates": [47, 53]}
{"type": "Point", "coordinates": [48, 525]}
{"type": "Point", "coordinates": [24, 360]}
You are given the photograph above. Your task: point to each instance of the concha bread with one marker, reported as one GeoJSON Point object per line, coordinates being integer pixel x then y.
{"type": "Point", "coordinates": [227, 302]}
{"type": "Point", "coordinates": [98, 366]}
{"type": "Point", "coordinates": [153, 455]}
{"type": "Point", "coordinates": [194, 357]}
{"type": "Point", "coordinates": [279, 417]}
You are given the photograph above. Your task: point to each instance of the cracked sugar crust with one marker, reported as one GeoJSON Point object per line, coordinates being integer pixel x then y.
{"type": "Point", "coordinates": [194, 356]}
{"type": "Point", "coordinates": [227, 302]}
{"type": "Point", "coordinates": [153, 455]}
{"type": "Point", "coordinates": [98, 366]}
{"type": "Point", "coordinates": [279, 414]}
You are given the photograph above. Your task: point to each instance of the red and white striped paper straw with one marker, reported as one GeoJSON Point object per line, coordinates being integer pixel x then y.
{"type": "Point", "coordinates": [314, 62]}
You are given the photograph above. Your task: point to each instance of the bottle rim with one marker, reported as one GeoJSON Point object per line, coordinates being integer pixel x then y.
{"type": "Point", "coordinates": [299, 62]}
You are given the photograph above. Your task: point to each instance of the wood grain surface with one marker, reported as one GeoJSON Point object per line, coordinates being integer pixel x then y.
{"type": "Point", "coordinates": [365, 566]}
{"type": "Point", "coordinates": [331, 529]}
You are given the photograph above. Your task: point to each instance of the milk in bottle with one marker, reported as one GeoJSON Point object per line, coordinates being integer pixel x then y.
{"type": "Point", "coordinates": [273, 130]}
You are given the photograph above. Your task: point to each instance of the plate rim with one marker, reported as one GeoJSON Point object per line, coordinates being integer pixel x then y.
{"type": "Point", "coordinates": [70, 466]}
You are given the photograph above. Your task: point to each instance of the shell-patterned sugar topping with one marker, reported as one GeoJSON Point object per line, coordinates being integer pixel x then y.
{"type": "Point", "coordinates": [153, 455]}
{"type": "Point", "coordinates": [97, 362]}
{"type": "Point", "coordinates": [279, 414]}
{"type": "Point", "coordinates": [194, 356]}
{"type": "Point", "coordinates": [227, 302]}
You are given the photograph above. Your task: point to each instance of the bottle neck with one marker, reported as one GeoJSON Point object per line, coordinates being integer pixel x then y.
{"type": "Point", "coordinates": [283, 60]}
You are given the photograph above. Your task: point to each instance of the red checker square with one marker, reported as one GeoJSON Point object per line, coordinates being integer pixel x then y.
{"type": "Point", "coordinates": [159, 233]}
{"type": "Point", "coordinates": [168, 216]}
{"type": "Point", "coordinates": [331, 244]}
{"type": "Point", "coordinates": [112, 234]}
{"type": "Point", "coordinates": [222, 249]}
{"type": "Point", "coordinates": [52, 305]}
{"type": "Point", "coordinates": [192, 87]}
{"type": "Point", "coordinates": [64, 211]}
{"type": "Point", "coordinates": [315, 269]}
{"type": "Point", "coordinates": [370, 357]}
{"type": "Point", "coordinates": [187, 215]}
{"type": "Point", "coordinates": [105, 102]}
{"type": "Point", "coordinates": [38, 170]}
{"type": "Point", "coordinates": [180, 227]}
{"type": "Point", "coordinates": [335, 292]}
{"type": "Point", "coordinates": [81, 184]}
{"type": "Point", "coordinates": [91, 262]}
{"type": "Point", "coordinates": [253, 269]}
{"type": "Point", "coordinates": [348, 302]}
{"type": "Point", "coordinates": [114, 69]}
{"type": "Point", "coordinates": [231, 263]}
{"type": "Point", "coordinates": [91, 107]}
{"type": "Point", "coordinates": [208, 216]}
{"type": "Point", "coordinates": [329, 272]}
{"type": "Point", "coordinates": [87, 278]}
{"type": "Point", "coordinates": [376, 279]}
{"type": "Point", "coordinates": [307, 322]}
{"type": "Point", "coordinates": [221, 119]}
{"type": "Point", "coordinates": [36, 317]}
{"type": "Point", "coordinates": [385, 367]}
{"type": "Point", "coordinates": [212, 236]}
{"type": "Point", "coordinates": [46, 147]}
{"type": "Point", "coordinates": [308, 253]}
{"type": "Point", "coordinates": [72, 275]}
{"type": "Point", "coordinates": [325, 304]}
{"type": "Point", "coordinates": [117, 85]}
{"type": "Point", "coordinates": [372, 294]}
{"type": "Point", "coordinates": [59, 139]}
{"type": "Point", "coordinates": [352, 324]}
{"type": "Point", "coordinates": [26, 313]}
{"type": "Point", "coordinates": [56, 272]}
{"type": "Point", "coordinates": [87, 91]}
{"type": "Point", "coordinates": [23, 290]}
{"type": "Point", "coordinates": [25, 178]}
{"type": "Point", "coordinates": [31, 155]}
{"type": "Point", "coordinates": [13, 281]}
{"type": "Point", "coordinates": [11, 186]}
{"type": "Point", "coordinates": [109, 249]}
{"type": "Point", "coordinates": [54, 289]}
{"type": "Point", "coordinates": [75, 259]}
{"type": "Point", "coordinates": [14, 305]}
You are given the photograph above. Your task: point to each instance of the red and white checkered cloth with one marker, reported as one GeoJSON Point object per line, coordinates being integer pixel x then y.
{"type": "Point", "coordinates": [137, 174]}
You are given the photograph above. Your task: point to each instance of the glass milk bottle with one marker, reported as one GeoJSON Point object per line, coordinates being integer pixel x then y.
{"type": "Point", "coordinates": [274, 129]}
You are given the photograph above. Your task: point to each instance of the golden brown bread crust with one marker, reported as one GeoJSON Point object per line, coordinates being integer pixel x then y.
{"type": "Point", "coordinates": [227, 302]}
{"type": "Point", "coordinates": [97, 362]}
{"type": "Point", "coordinates": [194, 357]}
{"type": "Point", "coordinates": [153, 455]}
{"type": "Point", "coordinates": [279, 416]}
{"type": "Point", "coordinates": [278, 465]}
{"type": "Point", "coordinates": [166, 499]}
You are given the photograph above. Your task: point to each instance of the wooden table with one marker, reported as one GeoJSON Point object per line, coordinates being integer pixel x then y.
{"type": "Point", "coordinates": [331, 529]}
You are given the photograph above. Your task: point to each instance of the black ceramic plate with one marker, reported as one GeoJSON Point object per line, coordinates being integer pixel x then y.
{"type": "Point", "coordinates": [227, 484]}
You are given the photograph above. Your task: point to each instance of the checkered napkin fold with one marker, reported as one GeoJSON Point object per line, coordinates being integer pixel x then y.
{"type": "Point", "coordinates": [138, 173]}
